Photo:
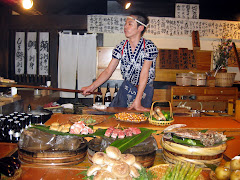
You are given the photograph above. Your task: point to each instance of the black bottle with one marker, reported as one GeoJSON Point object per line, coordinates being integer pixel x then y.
{"type": "Point", "coordinates": [17, 131]}
{"type": "Point", "coordinates": [9, 131]}
{"type": "Point", "coordinates": [98, 98]}
{"type": "Point", "coordinates": [107, 98]}
{"type": "Point", "coordinates": [115, 91]}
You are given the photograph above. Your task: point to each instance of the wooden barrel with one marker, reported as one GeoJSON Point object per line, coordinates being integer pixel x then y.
{"type": "Point", "coordinates": [145, 158]}
{"type": "Point", "coordinates": [54, 157]}
{"type": "Point", "coordinates": [173, 152]}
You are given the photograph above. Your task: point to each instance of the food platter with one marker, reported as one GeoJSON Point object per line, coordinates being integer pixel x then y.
{"type": "Point", "coordinates": [131, 117]}
{"type": "Point", "coordinates": [88, 119]}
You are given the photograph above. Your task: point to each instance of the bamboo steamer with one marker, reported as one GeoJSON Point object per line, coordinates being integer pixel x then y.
{"type": "Point", "coordinates": [146, 159]}
{"type": "Point", "coordinates": [54, 157]}
{"type": "Point", "coordinates": [173, 152]}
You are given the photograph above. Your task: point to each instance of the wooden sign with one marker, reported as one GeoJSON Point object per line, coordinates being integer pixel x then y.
{"type": "Point", "coordinates": [195, 40]}
{"type": "Point", "coordinates": [184, 59]}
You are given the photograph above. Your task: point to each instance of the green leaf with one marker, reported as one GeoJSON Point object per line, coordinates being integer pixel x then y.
{"type": "Point", "coordinates": [128, 142]}
{"type": "Point", "coordinates": [230, 138]}
{"type": "Point", "coordinates": [211, 166]}
{"type": "Point", "coordinates": [99, 132]}
{"type": "Point", "coordinates": [187, 141]}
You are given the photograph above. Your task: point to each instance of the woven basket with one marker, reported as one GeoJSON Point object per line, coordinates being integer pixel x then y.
{"type": "Point", "coordinates": [225, 79]}
{"type": "Point", "coordinates": [157, 122]}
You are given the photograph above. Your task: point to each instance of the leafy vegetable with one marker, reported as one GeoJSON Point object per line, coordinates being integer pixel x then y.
{"type": "Point", "coordinates": [145, 175]}
{"type": "Point", "coordinates": [187, 141]}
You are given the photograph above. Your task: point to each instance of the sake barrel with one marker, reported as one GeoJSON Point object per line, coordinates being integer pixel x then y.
{"type": "Point", "coordinates": [52, 157]}
{"type": "Point", "coordinates": [199, 79]}
{"type": "Point", "coordinates": [184, 79]}
{"type": "Point", "coordinates": [173, 152]}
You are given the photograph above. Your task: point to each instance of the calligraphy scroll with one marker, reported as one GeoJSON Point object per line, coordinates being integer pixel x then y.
{"type": "Point", "coordinates": [31, 53]}
{"type": "Point", "coordinates": [166, 26]}
{"type": "Point", "coordinates": [187, 11]}
{"type": "Point", "coordinates": [43, 53]}
{"type": "Point", "coordinates": [19, 52]}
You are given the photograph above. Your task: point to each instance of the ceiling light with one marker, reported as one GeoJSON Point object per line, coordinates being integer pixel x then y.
{"type": "Point", "coordinates": [127, 5]}
{"type": "Point", "coordinates": [27, 4]}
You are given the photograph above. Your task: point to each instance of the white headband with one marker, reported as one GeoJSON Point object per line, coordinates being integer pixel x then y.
{"type": "Point", "coordinates": [138, 21]}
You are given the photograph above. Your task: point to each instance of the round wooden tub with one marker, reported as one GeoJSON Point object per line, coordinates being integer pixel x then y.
{"type": "Point", "coordinates": [54, 157]}
{"type": "Point", "coordinates": [145, 158]}
{"type": "Point", "coordinates": [173, 152]}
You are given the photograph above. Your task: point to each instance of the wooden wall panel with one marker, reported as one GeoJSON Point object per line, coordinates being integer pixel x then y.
{"type": "Point", "coordinates": [203, 60]}
{"type": "Point", "coordinates": [201, 64]}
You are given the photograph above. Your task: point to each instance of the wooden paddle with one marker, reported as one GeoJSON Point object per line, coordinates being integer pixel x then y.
{"type": "Point", "coordinates": [50, 88]}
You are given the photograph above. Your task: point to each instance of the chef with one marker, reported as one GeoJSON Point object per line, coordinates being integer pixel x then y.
{"type": "Point", "coordinates": [137, 56]}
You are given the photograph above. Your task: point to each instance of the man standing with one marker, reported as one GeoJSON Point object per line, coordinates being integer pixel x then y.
{"type": "Point", "coordinates": [138, 58]}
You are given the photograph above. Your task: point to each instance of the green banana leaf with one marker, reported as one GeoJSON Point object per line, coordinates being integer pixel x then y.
{"type": "Point", "coordinates": [98, 132]}
{"type": "Point", "coordinates": [128, 142]}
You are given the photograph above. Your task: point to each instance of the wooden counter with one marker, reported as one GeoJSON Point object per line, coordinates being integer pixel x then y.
{"type": "Point", "coordinates": [226, 124]}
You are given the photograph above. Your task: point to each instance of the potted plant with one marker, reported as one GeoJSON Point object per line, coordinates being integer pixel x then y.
{"type": "Point", "coordinates": [221, 55]}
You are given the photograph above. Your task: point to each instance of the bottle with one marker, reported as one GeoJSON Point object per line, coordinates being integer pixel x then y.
{"type": "Point", "coordinates": [48, 83]}
{"type": "Point", "coordinates": [98, 98]}
{"type": "Point", "coordinates": [10, 131]}
{"type": "Point", "coordinates": [107, 98]}
{"type": "Point", "coordinates": [29, 108]}
{"type": "Point", "coordinates": [115, 91]}
{"type": "Point", "coordinates": [17, 131]}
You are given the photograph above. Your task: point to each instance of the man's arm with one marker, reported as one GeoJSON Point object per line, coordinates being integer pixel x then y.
{"type": "Point", "coordinates": [142, 84]}
{"type": "Point", "coordinates": [105, 75]}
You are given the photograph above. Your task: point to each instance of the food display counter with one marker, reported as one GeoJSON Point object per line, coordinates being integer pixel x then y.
{"type": "Point", "coordinates": [228, 125]}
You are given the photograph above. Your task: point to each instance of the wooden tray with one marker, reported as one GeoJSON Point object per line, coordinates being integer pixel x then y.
{"type": "Point", "coordinates": [57, 158]}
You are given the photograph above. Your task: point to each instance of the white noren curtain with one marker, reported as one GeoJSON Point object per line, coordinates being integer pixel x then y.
{"type": "Point", "coordinates": [77, 57]}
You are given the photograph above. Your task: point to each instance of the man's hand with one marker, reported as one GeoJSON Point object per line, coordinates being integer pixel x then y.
{"type": "Point", "coordinates": [86, 90]}
{"type": "Point", "coordinates": [137, 106]}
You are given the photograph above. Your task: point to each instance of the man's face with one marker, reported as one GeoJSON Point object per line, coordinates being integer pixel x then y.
{"type": "Point", "coordinates": [130, 28]}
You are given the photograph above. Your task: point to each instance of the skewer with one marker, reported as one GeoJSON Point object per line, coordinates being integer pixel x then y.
{"type": "Point", "coordinates": [50, 88]}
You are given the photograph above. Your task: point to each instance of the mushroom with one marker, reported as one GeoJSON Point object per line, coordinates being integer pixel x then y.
{"type": "Point", "coordinates": [98, 158]}
{"type": "Point", "coordinates": [134, 172]}
{"type": "Point", "coordinates": [128, 158]}
{"type": "Point", "coordinates": [93, 169]}
{"type": "Point", "coordinates": [137, 165]}
{"type": "Point", "coordinates": [103, 174]}
{"type": "Point", "coordinates": [121, 170]}
{"type": "Point", "coordinates": [113, 152]}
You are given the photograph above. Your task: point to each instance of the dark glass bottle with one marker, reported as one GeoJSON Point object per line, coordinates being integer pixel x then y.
{"type": "Point", "coordinates": [22, 123]}
{"type": "Point", "coordinates": [26, 121]}
{"type": "Point", "coordinates": [17, 131]}
{"type": "Point", "coordinates": [107, 98]}
{"type": "Point", "coordinates": [10, 131]}
{"type": "Point", "coordinates": [115, 91]}
{"type": "Point", "coordinates": [2, 129]}
{"type": "Point", "coordinates": [98, 98]}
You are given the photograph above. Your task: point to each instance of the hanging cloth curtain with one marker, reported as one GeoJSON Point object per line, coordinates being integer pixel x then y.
{"type": "Point", "coordinates": [87, 61]}
{"type": "Point", "coordinates": [77, 55]}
